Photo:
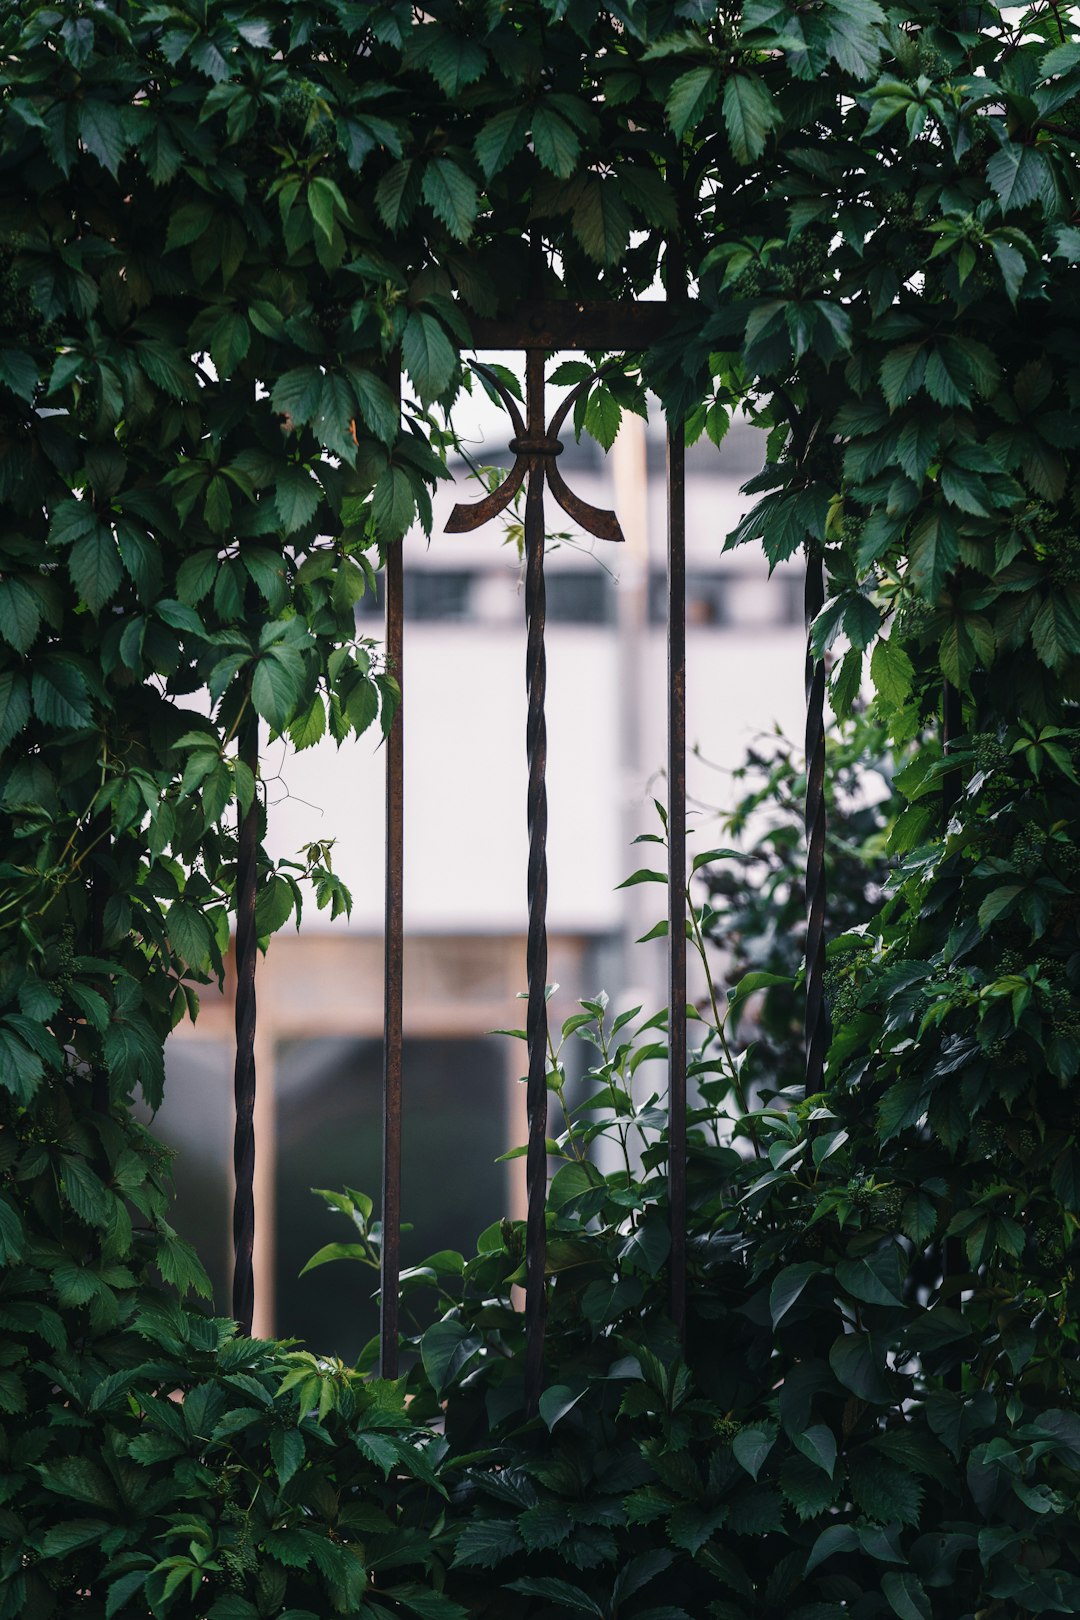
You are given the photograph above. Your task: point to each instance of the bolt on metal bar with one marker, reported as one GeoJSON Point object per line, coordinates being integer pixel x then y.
{"type": "Point", "coordinates": [536, 1023]}
{"type": "Point", "coordinates": [393, 976]}
{"type": "Point", "coordinates": [676, 830]}
{"type": "Point", "coordinates": [247, 945]}
{"type": "Point", "coordinates": [816, 1025]}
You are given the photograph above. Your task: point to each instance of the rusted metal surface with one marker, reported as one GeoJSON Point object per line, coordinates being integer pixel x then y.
{"type": "Point", "coordinates": [536, 1022]}
{"type": "Point", "coordinates": [536, 447]}
{"type": "Point", "coordinates": [676, 769]}
{"type": "Point", "coordinates": [536, 450]}
{"type": "Point", "coordinates": [816, 1025]}
{"type": "Point", "coordinates": [568, 324]}
{"type": "Point", "coordinates": [393, 977]}
{"type": "Point", "coordinates": [243, 1282]}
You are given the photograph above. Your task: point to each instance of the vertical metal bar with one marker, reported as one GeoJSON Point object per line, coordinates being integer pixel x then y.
{"type": "Point", "coordinates": [676, 768]}
{"type": "Point", "coordinates": [952, 724]}
{"type": "Point", "coordinates": [816, 1026]}
{"type": "Point", "coordinates": [243, 1283]}
{"type": "Point", "coordinates": [393, 978]}
{"type": "Point", "coordinates": [536, 1022]}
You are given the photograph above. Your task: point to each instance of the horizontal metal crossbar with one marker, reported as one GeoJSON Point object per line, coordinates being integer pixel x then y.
{"type": "Point", "coordinates": [554, 324]}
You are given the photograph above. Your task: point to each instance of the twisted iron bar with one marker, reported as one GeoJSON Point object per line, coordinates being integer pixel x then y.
{"type": "Point", "coordinates": [676, 831]}
{"type": "Point", "coordinates": [243, 1282]}
{"type": "Point", "coordinates": [536, 1023]}
{"type": "Point", "coordinates": [393, 982]}
{"type": "Point", "coordinates": [816, 1025]}
{"type": "Point", "coordinates": [535, 448]}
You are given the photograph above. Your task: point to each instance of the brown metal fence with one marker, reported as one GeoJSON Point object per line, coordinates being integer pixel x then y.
{"type": "Point", "coordinates": [538, 328]}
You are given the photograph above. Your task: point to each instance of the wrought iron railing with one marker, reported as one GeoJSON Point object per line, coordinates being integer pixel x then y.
{"type": "Point", "coordinates": [539, 329]}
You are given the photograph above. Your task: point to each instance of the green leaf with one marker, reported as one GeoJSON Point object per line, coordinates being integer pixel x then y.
{"type": "Point", "coordinates": [451, 196]}
{"type": "Point", "coordinates": [14, 706]}
{"type": "Point", "coordinates": [287, 1453]}
{"type": "Point", "coordinates": [557, 1401]}
{"type": "Point", "coordinates": [601, 220]}
{"type": "Point", "coordinates": [19, 373]}
{"type": "Point", "coordinates": [892, 671]}
{"type": "Point", "coordinates": [101, 130]}
{"type": "Point", "coordinates": [853, 1361]}
{"type": "Point", "coordinates": [485, 1543]}
{"type": "Point", "coordinates": [691, 97]}
{"type": "Point", "coordinates": [79, 1480]}
{"type": "Point", "coordinates": [561, 1593]}
{"type": "Point", "coordinates": [501, 138]}
{"type": "Point", "coordinates": [393, 504]}
{"type": "Point", "coordinates": [20, 614]}
{"type": "Point", "coordinates": [60, 694]}
{"type": "Point", "coordinates": [789, 1285]}
{"type": "Point", "coordinates": [444, 1349]}
{"type": "Point", "coordinates": [818, 1444]}
{"type": "Point", "coordinates": [875, 1279]}
{"type": "Point", "coordinates": [428, 355]}
{"type": "Point", "coordinates": [296, 497]}
{"type": "Point", "coordinates": [603, 415]}
{"type": "Point", "coordinates": [906, 1595]}
{"type": "Point", "coordinates": [749, 114]}
{"type": "Point", "coordinates": [379, 409]}
{"type": "Point", "coordinates": [1017, 174]}
{"type": "Point", "coordinates": [189, 933]}
{"type": "Point", "coordinates": [275, 690]}
{"type": "Point", "coordinates": [934, 553]}
{"type": "Point", "coordinates": [556, 143]}
{"type": "Point", "coordinates": [752, 1446]}
{"type": "Point", "coordinates": [94, 566]}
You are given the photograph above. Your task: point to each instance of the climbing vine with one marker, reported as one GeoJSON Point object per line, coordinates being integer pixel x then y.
{"type": "Point", "coordinates": [241, 248]}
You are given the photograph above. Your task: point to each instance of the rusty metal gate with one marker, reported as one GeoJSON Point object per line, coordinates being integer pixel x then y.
{"type": "Point", "coordinates": [538, 328]}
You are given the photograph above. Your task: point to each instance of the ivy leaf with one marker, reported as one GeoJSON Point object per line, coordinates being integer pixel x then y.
{"type": "Point", "coordinates": [934, 552]}
{"type": "Point", "coordinates": [296, 497]}
{"type": "Point", "coordinates": [428, 355]}
{"type": "Point", "coordinates": [274, 690]}
{"type": "Point", "coordinates": [451, 196]}
{"type": "Point", "coordinates": [891, 671]}
{"type": "Point", "coordinates": [601, 219]}
{"type": "Point", "coordinates": [555, 142]}
{"type": "Point", "coordinates": [690, 98]}
{"type": "Point", "coordinates": [19, 373]}
{"type": "Point", "coordinates": [501, 138]}
{"type": "Point", "coordinates": [452, 59]}
{"type": "Point", "coordinates": [287, 1453]}
{"type": "Point", "coordinates": [484, 1543]}
{"type": "Point", "coordinates": [1017, 174]}
{"type": "Point", "coordinates": [20, 614]}
{"type": "Point", "coordinates": [749, 114]}
{"type": "Point", "coordinates": [397, 194]}
{"type": "Point", "coordinates": [393, 504]}
{"type": "Point", "coordinates": [603, 415]}
{"type": "Point", "coordinates": [101, 130]}
{"type": "Point", "coordinates": [79, 1479]}
{"type": "Point", "coordinates": [60, 693]}
{"type": "Point", "coordinates": [378, 407]}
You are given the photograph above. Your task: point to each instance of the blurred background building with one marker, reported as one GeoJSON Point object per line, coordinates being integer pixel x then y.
{"type": "Point", "coordinates": [320, 991]}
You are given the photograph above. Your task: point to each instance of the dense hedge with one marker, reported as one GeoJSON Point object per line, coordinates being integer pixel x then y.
{"type": "Point", "coordinates": [221, 226]}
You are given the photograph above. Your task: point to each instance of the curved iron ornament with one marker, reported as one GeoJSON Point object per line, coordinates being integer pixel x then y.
{"type": "Point", "coordinates": [536, 447]}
